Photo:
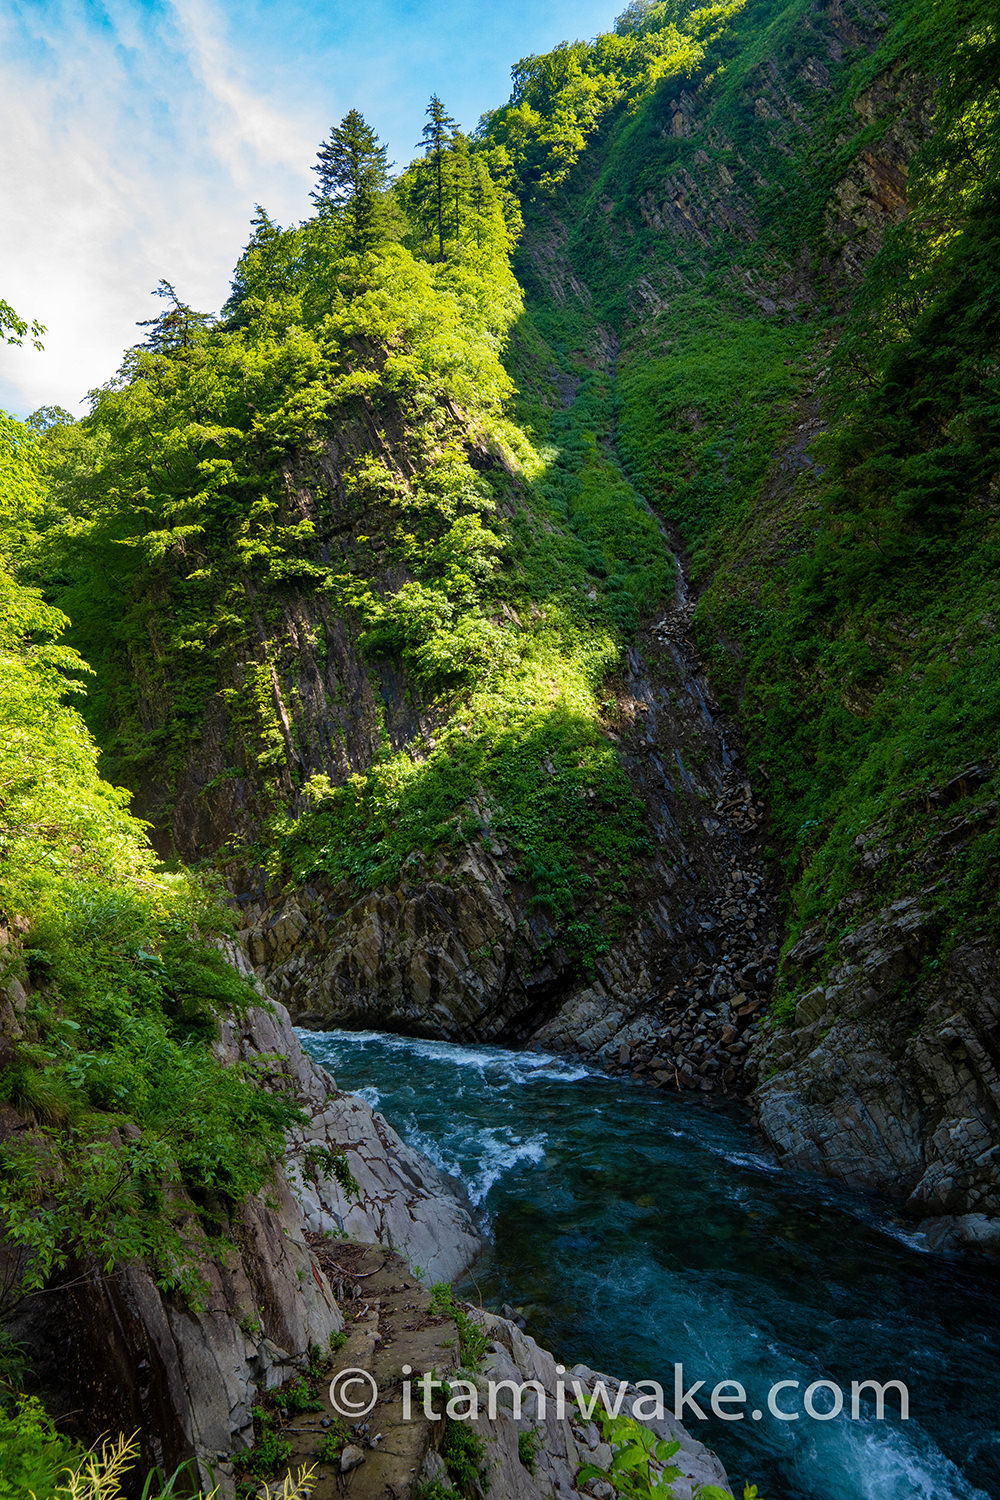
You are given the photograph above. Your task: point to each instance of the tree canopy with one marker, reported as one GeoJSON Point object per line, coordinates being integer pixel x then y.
{"type": "Point", "coordinates": [353, 171]}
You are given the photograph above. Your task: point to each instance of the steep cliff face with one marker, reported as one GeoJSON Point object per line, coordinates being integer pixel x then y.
{"type": "Point", "coordinates": [894, 1091]}
{"type": "Point", "coordinates": [116, 1352]}
{"type": "Point", "coordinates": [297, 696]}
{"type": "Point", "coordinates": [751, 231]}
{"type": "Point", "coordinates": [458, 951]}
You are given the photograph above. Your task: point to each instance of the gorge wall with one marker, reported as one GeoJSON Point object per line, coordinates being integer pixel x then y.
{"type": "Point", "coordinates": [472, 761]}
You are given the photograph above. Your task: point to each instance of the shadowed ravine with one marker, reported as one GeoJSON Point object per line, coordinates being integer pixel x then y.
{"type": "Point", "coordinates": [635, 1229]}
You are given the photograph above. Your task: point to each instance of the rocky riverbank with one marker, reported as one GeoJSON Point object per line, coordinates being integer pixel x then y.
{"type": "Point", "coordinates": [396, 1329]}
{"type": "Point", "coordinates": [320, 1261]}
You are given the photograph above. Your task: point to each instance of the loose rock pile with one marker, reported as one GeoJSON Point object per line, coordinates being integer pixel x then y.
{"type": "Point", "coordinates": [700, 1049]}
{"type": "Point", "coordinates": [705, 1022]}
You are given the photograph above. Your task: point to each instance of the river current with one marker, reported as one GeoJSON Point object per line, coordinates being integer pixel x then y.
{"type": "Point", "coordinates": [636, 1230]}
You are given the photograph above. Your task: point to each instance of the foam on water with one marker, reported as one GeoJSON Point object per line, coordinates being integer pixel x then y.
{"type": "Point", "coordinates": [643, 1230]}
{"type": "Point", "coordinates": [497, 1064]}
{"type": "Point", "coordinates": [462, 1144]}
{"type": "Point", "coordinates": [496, 1151]}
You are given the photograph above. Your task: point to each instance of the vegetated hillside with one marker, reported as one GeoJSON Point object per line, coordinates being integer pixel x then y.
{"type": "Point", "coordinates": [805, 187]}
{"type": "Point", "coordinates": [164, 1143]}
{"type": "Point", "coordinates": [115, 1023]}
{"type": "Point", "coordinates": [127, 1148]}
{"type": "Point", "coordinates": [316, 526]}
{"type": "Point", "coordinates": [362, 564]}
{"type": "Point", "coordinates": [790, 241]}
{"type": "Point", "coordinates": [352, 626]}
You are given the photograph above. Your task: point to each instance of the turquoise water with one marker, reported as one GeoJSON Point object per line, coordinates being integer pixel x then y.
{"type": "Point", "coordinates": [639, 1230]}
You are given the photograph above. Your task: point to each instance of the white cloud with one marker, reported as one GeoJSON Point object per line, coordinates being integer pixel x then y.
{"type": "Point", "coordinates": [138, 134]}
{"type": "Point", "coordinates": [249, 130]}
{"type": "Point", "coordinates": [131, 151]}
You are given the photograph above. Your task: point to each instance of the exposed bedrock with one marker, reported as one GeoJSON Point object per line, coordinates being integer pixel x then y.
{"type": "Point", "coordinates": [891, 1081]}
{"type": "Point", "coordinates": [457, 950]}
{"type": "Point", "coordinates": [116, 1352]}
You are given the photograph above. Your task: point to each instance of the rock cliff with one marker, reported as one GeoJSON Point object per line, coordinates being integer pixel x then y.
{"type": "Point", "coordinates": [116, 1352]}
{"type": "Point", "coordinates": [888, 1079]}
{"type": "Point", "coordinates": [459, 950]}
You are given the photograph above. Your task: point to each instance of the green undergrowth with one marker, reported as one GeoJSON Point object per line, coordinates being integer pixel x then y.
{"type": "Point", "coordinates": [871, 683]}
{"type": "Point", "coordinates": [128, 1105]}
{"type": "Point", "coordinates": [522, 761]}
{"type": "Point", "coordinates": [110, 1062]}
{"type": "Point", "coordinates": [700, 425]}
{"type": "Point", "coordinates": [344, 451]}
{"type": "Point", "coordinates": [850, 604]}
{"type": "Point", "coordinates": [473, 1343]}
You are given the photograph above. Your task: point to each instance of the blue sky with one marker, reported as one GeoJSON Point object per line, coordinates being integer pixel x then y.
{"type": "Point", "coordinates": [136, 136]}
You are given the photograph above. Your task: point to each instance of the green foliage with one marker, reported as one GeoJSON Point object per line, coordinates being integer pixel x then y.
{"type": "Point", "coordinates": [188, 523]}
{"type": "Point", "coordinates": [177, 329]}
{"type": "Point", "coordinates": [439, 172]}
{"type": "Point", "coordinates": [472, 1342]}
{"type": "Point", "coordinates": [528, 1440]}
{"type": "Point", "coordinates": [14, 328]}
{"type": "Point", "coordinates": [332, 1444]}
{"type": "Point", "coordinates": [33, 1456]}
{"type": "Point", "coordinates": [269, 1451]}
{"type": "Point", "coordinates": [699, 426]}
{"type": "Point", "coordinates": [59, 823]}
{"type": "Point", "coordinates": [495, 569]}
{"type": "Point", "coordinates": [546, 783]}
{"type": "Point", "coordinates": [130, 1104]}
{"type": "Point", "coordinates": [640, 1465]}
{"type": "Point", "coordinates": [850, 605]}
{"type": "Point", "coordinates": [640, 1468]}
{"type": "Point", "coordinates": [296, 1398]}
{"type": "Point", "coordinates": [114, 1067]}
{"type": "Point", "coordinates": [560, 100]}
{"type": "Point", "coordinates": [464, 1450]}
{"type": "Point", "coordinates": [872, 682]}
{"type": "Point", "coordinates": [37, 1464]}
{"type": "Point", "coordinates": [331, 1160]}
{"type": "Point", "coordinates": [352, 166]}
{"type": "Point", "coordinates": [435, 1490]}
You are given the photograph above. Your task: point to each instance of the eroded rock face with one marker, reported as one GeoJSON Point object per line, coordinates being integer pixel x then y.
{"type": "Point", "coordinates": [114, 1352]}
{"type": "Point", "coordinates": [133, 1358]}
{"type": "Point", "coordinates": [457, 950]}
{"type": "Point", "coordinates": [566, 1443]}
{"type": "Point", "coordinates": [890, 1079]}
{"type": "Point", "coordinates": [403, 1199]}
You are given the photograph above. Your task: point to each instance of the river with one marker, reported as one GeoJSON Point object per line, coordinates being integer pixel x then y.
{"type": "Point", "coordinates": [637, 1230]}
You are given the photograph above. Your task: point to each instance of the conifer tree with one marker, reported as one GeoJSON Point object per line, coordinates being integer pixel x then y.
{"type": "Point", "coordinates": [353, 170]}
{"type": "Point", "coordinates": [437, 136]}
{"type": "Point", "coordinates": [460, 184]}
{"type": "Point", "coordinates": [262, 271]}
{"type": "Point", "coordinates": [175, 329]}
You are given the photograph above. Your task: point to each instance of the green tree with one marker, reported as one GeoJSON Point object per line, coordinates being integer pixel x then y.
{"type": "Point", "coordinates": [13, 328]}
{"type": "Point", "coordinates": [460, 186]}
{"type": "Point", "coordinates": [175, 329]}
{"type": "Point", "coordinates": [264, 274]}
{"type": "Point", "coordinates": [437, 137]}
{"type": "Point", "coordinates": [353, 170]}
